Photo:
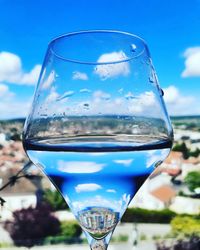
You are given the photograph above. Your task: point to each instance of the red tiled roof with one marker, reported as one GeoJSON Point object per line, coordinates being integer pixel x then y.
{"type": "Point", "coordinates": [164, 193]}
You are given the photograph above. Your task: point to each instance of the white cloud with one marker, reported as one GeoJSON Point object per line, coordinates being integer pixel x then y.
{"type": "Point", "coordinates": [66, 95]}
{"type": "Point", "coordinates": [111, 191]}
{"type": "Point", "coordinates": [129, 95]}
{"type": "Point", "coordinates": [192, 62]}
{"type": "Point", "coordinates": [31, 78]}
{"type": "Point", "coordinates": [77, 75]}
{"type": "Point", "coordinates": [49, 80]}
{"type": "Point", "coordinates": [119, 101]}
{"type": "Point", "coordinates": [124, 162]}
{"type": "Point", "coordinates": [53, 95]}
{"type": "Point", "coordinates": [88, 187]}
{"type": "Point", "coordinates": [145, 103]}
{"type": "Point", "coordinates": [11, 70]}
{"type": "Point", "coordinates": [100, 95]}
{"type": "Point", "coordinates": [5, 93]}
{"type": "Point", "coordinates": [10, 67]}
{"type": "Point", "coordinates": [147, 98]}
{"type": "Point", "coordinates": [10, 107]}
{"type": "Point", "coordinates": [14, 109]}
{"type": "Point", "coordinates": [171, 94]}
{"type": "Point", "coordinates": [84, 90]}
{"type": "Point", "coordinates": [102, 103]}
{"type": "Point", "coordinates": [111, 70]}
{"type": "Point", "coordinates": [79, 167]}
{"type": "Point", "coordinates": [178, 104]}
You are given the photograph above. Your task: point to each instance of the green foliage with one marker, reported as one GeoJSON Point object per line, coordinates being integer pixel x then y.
{"type": "Point", "coordinates": [148, 216]}
{"type": "Point", "coordinates": [70, 229]}
{"type": "Point", "coordinates": [143, 237]}
{"type": "Point", "coordinates": [156, 237]}
{"type": "Point", "coordinates": [192, 180]}
{"type": "Point", "coordinates": [70, 233]}
{"type": "Point", "coordinates": [55, 200]}
{"type": "Point", "coordinates": [181, 193]}
{"type": "Point", "coordinates": [120, 238]}
{"type": "Point", "coordinates": [195, 153]}
{"type": "Point", "coordinates": [15, 136]}
{"type": "Point", "coordinates": [186, 226]}
{"type": "Point", "coordinates": [182, 148]}
{"type": "Point", "coordinates": [186, 151]}
{"type": "Point", "coordinates": [54, 240]}
{"type": "Point", "coordinates": [5, 245]}
{"type": "Point", "coordinates": [60, 239]}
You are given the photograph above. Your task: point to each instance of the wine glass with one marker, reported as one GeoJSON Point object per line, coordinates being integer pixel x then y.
{"type": "Point", "coordinates": [98, 125]}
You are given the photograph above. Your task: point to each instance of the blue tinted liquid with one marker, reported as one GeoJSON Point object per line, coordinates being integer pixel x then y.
{"type": "Point", "coordinates": [97, 186]}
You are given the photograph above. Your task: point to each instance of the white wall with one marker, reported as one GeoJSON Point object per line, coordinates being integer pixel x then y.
{"type": "Point", "coordinates": [16, 202]}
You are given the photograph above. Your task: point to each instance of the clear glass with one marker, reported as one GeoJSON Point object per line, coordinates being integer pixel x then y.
{"type": "Point", "coordinates": [98, 125]}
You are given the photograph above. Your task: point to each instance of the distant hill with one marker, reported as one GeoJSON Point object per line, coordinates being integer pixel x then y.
{"type": "Point", "coordinates": [185, 117]}
{"type": "Point", "coordinates": [15, 120]}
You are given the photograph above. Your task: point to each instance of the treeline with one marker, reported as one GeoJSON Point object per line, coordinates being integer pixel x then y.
{"type": "Point", "coordinates": [141, 215]}
{"type": "Point", "coordinates": [181, 147]}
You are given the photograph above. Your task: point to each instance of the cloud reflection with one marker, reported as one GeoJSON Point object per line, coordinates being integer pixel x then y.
{"type": "Point", "coordinates": [79, 167]}
{"type": "Point", "coordinates": [111, 70]}
{"type": "Point", "coordinates": [88, 187]}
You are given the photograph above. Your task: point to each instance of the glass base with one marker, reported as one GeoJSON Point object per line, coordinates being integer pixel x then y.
{"type": "Point", "coordinates": [98, 244]}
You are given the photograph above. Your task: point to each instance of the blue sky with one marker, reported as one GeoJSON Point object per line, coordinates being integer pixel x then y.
{"type": "Point", "coordinates": [171, 29]}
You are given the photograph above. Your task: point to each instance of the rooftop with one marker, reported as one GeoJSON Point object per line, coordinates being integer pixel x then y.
{"type": "Point", "coordinates": [164, 193]}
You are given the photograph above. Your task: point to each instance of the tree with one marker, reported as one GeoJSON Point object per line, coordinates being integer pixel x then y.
{"type": "Point", "coordinates": [55, 200]}
{"type": "Point", "coordinates": [182, 148]}
{"type": "Point", "coordinates": [70, 229]}
{"type": "Point", "coordinates": [195, 153]}
{"type": "Point", "coordinates": [30, 226]}
{"type": "Point", "coordinates": [185, 225]}
{"type": "Point", "coordinates": [70, 233]}
{"type": "Point", "coordinates": [192, 180]}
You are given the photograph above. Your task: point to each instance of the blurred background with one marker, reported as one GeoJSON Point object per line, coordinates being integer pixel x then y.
{"type": "Point", "coordinates": [165, 214]}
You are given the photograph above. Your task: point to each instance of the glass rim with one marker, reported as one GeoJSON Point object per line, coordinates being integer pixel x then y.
{"type": "Point", "coordinates": [75, 33]}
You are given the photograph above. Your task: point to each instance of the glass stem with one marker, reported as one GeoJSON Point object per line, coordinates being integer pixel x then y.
{"type": "Point", "coordinates": [98, 244]}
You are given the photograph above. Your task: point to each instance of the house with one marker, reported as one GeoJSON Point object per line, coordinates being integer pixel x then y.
{"type": "Point", "coordinates": [155, 194]}
{"type": "Point", "coordinates": [143, 199]}
{"type": "Point", "coordinates": [22, 194]}
{"type": "Point", "coordinates": [15, 202]}
{"type": "Point", "coordinates": [164, 193]}
{"type": "Point", "coordinates": [185, 205]}
{"type": "Point", "coordinates": [158, 191]}
{"type": "Point", "coordinates": [3, 138]}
